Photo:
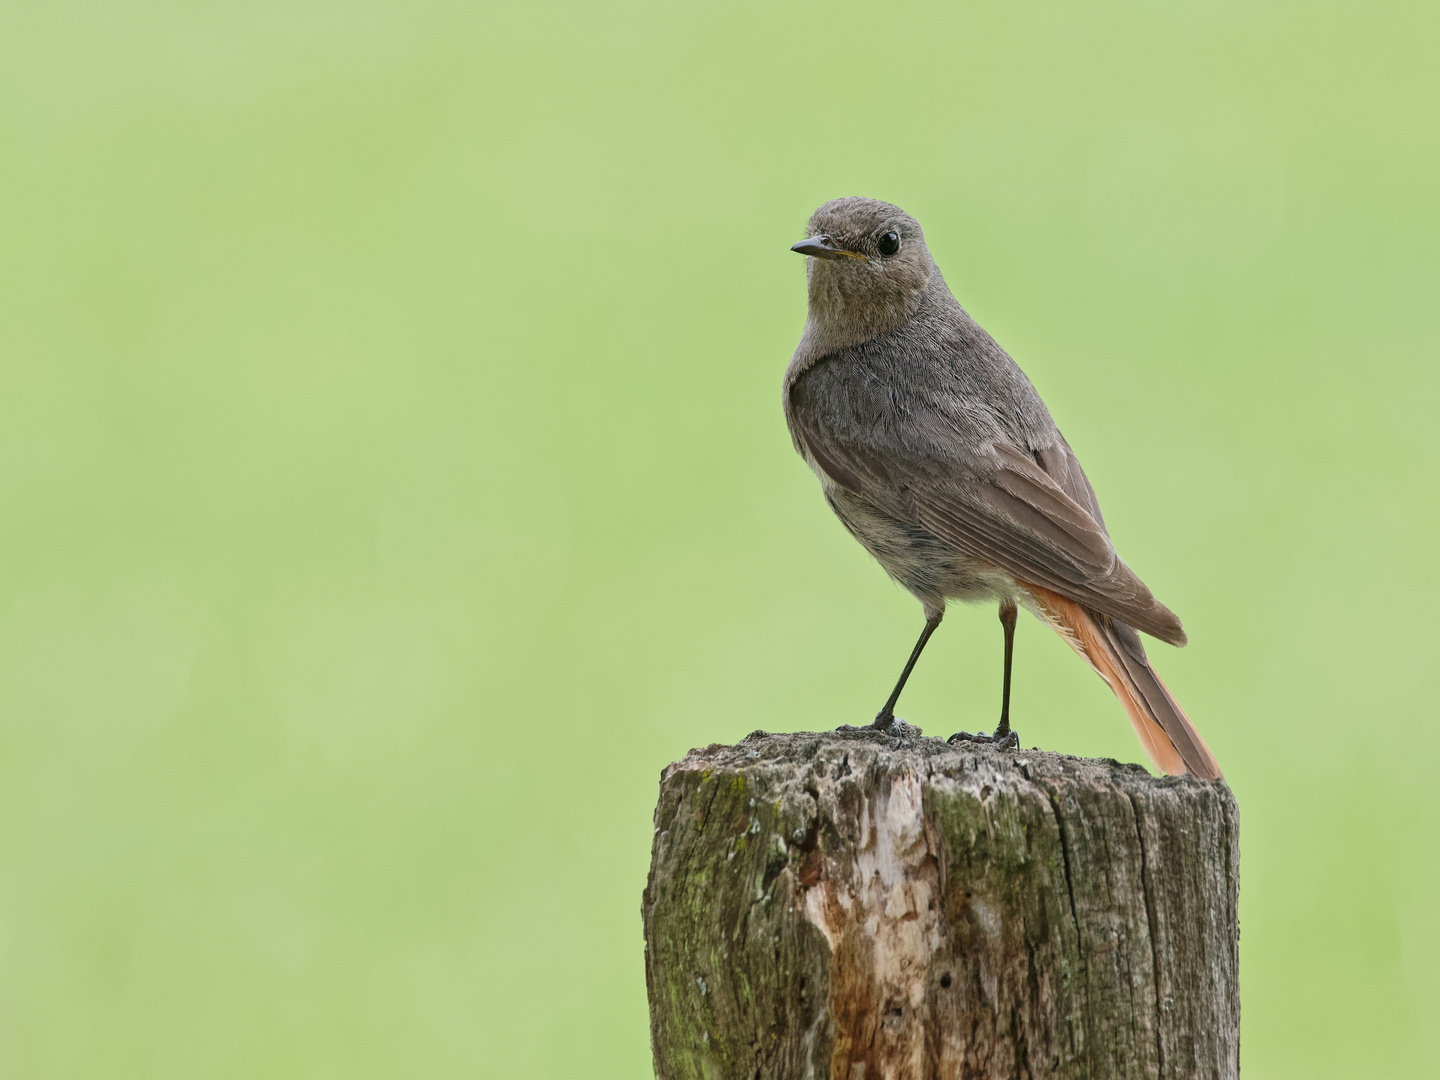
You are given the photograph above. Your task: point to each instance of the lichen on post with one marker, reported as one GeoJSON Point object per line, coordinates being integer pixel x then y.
{"type": "Point", "coordinates": [853, 906]}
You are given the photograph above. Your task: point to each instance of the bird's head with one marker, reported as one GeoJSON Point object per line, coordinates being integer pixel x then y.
{"type": "Point", "coordinates": [868, 265]}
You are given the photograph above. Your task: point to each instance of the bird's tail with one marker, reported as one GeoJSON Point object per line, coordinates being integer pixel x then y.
{"type": "Point", "coordinates": [1113, 649]}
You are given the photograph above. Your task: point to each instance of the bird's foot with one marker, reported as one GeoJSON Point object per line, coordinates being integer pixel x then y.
{"type": "Point", "coordinates": [1003, 739]}
{"type": "Point", "coordinates": [891, 725]}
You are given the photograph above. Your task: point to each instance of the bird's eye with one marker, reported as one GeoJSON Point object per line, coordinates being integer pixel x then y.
{"type": "Point", "coordinates": [888, 244]}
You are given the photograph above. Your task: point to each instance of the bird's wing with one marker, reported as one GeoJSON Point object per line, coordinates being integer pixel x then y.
{"type": "Point", "coordinates": [1004, 508]}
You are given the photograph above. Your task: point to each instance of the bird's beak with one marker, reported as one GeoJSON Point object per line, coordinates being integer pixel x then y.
{"type": "Point", "coordinates": [819, 247]}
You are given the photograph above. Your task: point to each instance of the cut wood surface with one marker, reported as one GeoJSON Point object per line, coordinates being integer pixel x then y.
{"type": "Point", "coordinates": [856, 906]}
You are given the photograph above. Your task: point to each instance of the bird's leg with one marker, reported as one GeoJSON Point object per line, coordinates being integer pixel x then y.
{"type": "Point", "coordinates": [886, 715]}
{"type": "Point", "coordinates": [1004, 736]}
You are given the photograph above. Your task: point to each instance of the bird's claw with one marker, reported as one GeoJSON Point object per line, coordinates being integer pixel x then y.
{"type": "Point", "coordinates": [895, 727]}
{"type": "Point", "coordinates": [1008, 740]}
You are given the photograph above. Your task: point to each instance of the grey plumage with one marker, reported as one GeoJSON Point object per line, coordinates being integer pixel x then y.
{"type": "Point", "coordinates": [937, 454]}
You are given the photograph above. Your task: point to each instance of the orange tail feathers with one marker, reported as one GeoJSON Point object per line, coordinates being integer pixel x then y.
{"type": "Point", "coordinates": [1113, 649]}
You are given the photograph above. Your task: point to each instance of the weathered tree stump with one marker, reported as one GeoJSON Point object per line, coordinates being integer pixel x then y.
{"type": "Point", "coordinates": [854, 906]}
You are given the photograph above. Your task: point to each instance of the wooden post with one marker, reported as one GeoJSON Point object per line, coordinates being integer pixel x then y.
{"type": "Point", "coordinates": [854, 906]}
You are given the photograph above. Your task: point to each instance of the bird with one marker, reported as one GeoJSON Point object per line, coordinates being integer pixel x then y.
{"type": "Point", "coordinates": [937, 454]}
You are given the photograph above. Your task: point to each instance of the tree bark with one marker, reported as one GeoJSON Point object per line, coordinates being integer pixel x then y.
{"type": "Point", "coordinates": [859, 907]}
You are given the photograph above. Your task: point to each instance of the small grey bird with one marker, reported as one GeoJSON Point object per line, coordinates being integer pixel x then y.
{"type": "Point", "coordinates": [938, 455]}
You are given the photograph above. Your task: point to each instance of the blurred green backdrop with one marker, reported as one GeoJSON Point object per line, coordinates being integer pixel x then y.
{"type": "Point", "coordinates": [393, 479]}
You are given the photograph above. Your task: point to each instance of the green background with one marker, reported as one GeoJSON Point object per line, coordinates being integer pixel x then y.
{"type": "Point", "coordinates": [393, 479]}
